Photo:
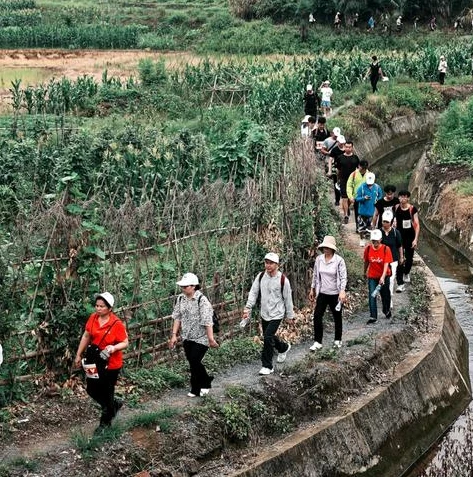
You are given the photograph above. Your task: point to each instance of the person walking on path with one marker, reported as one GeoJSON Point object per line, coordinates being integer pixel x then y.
{"type": "Point", "coordinates": [328, 288]}
{"type": "Point", "coordinates": [105, 332]}
{"type": "Point", "coordinates": [377, 258]}
{"type": "Point", "coordinates": [442, 69]}
{"type": "Point", "coordinates": [392, 238]}
{"type": "Point", "coordinates": [407, 222]}
{"type": "Point", "coordinates": [357, 177]}
{"type": "Point", "coordinates": [273, 290]}
{"type": "Point", "coordinates": [388, 202]}
{"type": "Point", "coordinates": [329, 146]}
{"type": "Point", "coordinates": [193, 316]}
{"type": "Point", "coordinates": [366, 196]}
{"type": "Point", "coordinates": [311, 102]}
{"type": "Point", "coordinates": [374, 73]}
{"type": "Point", "coordinates": [326, 102]}
{"type": "Point", "coordinates": [345, 164]}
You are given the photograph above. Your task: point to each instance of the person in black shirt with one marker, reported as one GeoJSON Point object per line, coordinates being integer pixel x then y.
{"type": "Point", "coordinates": [388, 202]}
{"type": "Point", "coordinates": [311, 102]}
{"type": "Point", "coordinates": [346, 163]}
{"type": "Point", "coordinates": [375, 73]}
{"type": "Point", "coordinates": [407, 222]}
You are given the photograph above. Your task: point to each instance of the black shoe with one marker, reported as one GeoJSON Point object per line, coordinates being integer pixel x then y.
{"type": "Point", "coordinates": [389, 315]}
{"type": "Point", "coordinates": [346, 219]}
{"type": "Point", "coordinates": [337, 204]}
{"type": "Point", "coordinates": [372, 321]}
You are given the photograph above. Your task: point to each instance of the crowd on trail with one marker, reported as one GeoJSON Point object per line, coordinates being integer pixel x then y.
{"type": "Point", "coordinates": [389, 22]}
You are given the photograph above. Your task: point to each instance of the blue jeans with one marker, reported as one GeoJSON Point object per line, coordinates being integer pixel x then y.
{"type": "Point", "coordinates": [385, 296]}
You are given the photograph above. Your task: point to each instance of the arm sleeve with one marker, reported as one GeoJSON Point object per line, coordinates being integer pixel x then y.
{"type": "Point", "coordinates": [342, 270]}
{"type": "Point", "coordinates": [254, 292]}
{"type": "Point", "coordinates": [176, 312]}
{"type": "Point", "coordinates": [287, 292]}
{"type": "Point", "coordinates": [315, 275]}
{"type": "Point", "coordinates": [206, 312]}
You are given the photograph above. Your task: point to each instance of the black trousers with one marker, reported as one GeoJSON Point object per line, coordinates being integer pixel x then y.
{"type": "Point", "coordinates": [195, 353]}
{"type": "Point", "coordinates": [271, 341]}
{"type": "Point", "coordinates": [320, 306]}
{"type": "Point", "coordinates": [374, 81]}
{"type": "Point", "coordinates": [441, 78]}
{"type": "Point", "coordinates": [405, 268]}
{"type": "Point", "coordinates": [102, 390]}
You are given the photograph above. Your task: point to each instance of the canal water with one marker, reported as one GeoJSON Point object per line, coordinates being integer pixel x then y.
{"type": "Point", "coordinates": [452, 456]}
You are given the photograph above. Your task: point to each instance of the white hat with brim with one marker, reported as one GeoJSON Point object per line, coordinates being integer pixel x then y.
{"type": "Point", "coordinates": [329, 242]}
{"type": "Point", "coordinates": [107, 297]}
{"type": "Point", "coordinates": [336, 131]}
{"type": "Point", "coordinates": [188, 279]}
{"type": "Point", "coordinates": [341, 139]}
{"type": "Point", "coordinates": [376, 234]}
{"type": "Point", "coordinates": [387, 216]}
{"type": "Point", "coordinates": [305, 119]}
{"type": "Point", "coordinates": [272, 257]}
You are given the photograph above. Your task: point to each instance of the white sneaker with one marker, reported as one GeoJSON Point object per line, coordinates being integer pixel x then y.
{"type": "Point", "coordinates": [407, 278]}
{"type": "Point", "coordinates": [362, 243]}
{"type": "Point", "coordinates": [400, 288]}
{"type": "Point", "coordinates": [337, 344]}
{"type": "Point", "coordinates": [266, 371]}
{"type": "Point", "coordinates": [282, 356]}
{"type": "Point", "coordinates": [204, 392]}
{"type": "Point", "coordinates": [191, 395]}
{"type": "Point", "coordinates": [316, 346]}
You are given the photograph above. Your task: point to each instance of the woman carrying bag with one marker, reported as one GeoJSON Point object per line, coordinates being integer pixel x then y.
{"type": "Point", "coordinates": [103, 341]}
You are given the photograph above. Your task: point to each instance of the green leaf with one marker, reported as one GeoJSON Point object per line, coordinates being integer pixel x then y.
{"type": "Point", "coordinates": [74, 209]}
{"type": "Point", "coordinates": [95, 251]}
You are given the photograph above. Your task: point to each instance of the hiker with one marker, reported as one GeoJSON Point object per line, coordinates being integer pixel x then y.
{"type": "Point", "coordinates": [399, 23]}
{"type": "Point", "coordinates": [327, 93]}
{"type": "Point", "coordinates": [319, 135]}
{"type": "Point", "coordinates": [388, 202]}
{"type": "Point", "coordinates": [273, 291]}
{"type": "Point", "coordinates": [367, 195]}
{"type": "Point", "coordinates": [392, 238]}
{"type": "Point", "coordinates": [337, 21]}
{"type": "Point", "coordinates": [345, 164]}
{"type": "Point", "coordinates": [311, 18]}
{"type": "Point", "coordinates": [442, 69]}
{"type": "Point", "coordinates": [371, 23]}
{"type": "Point", "coordinates": [193, 316]}
{"type": "Point", "coordinates": [330, 144]}
{"type": "Point", "coordinates": [305, 126]}
{"type": "Point", "coordinates": [311, 102]}
{"type": "Point", "coordinates": [374, 73]}
{"type": "Point", "coordinates": [407, 222]}
{"type": "Point", "coordinates": [357, 177]}
{"type": "Point", "coordinates": [328, 289]}
{"type": "Point", "coordinates": [433, 24]}
{"type": "Point", "coordinates": [103, 342]}
{"type": "Point", "coordinates": [377, 258]}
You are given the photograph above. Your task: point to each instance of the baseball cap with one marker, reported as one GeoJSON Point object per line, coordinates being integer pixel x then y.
{"type": "Point", "coordinates": [188, 279]}
{"type": "Point", "coordinates": [107, 297]}
{"type": "Point", "coordinates": [337, 131]}
{"type": "Point", "coordinates": [341, 139]}
{"type": "Point", "coordinates": [370, 178]}
{"type": "Point", "coordinates": [272, 257]}
{"type": "Point", "coordinates": [387, 216]}
{"type": "Point", "coordinates": [376, 234]}
{"type": "Point", "coordinates": [309, 87]}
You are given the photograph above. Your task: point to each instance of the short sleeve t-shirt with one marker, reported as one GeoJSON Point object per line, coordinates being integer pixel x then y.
{"type": "Point", "coordinates": [404, 221]}
{"type": "Point", "coordinates": [393, 240]}
{"type": "Point", "coordinates": [382, 205]}
{"type": "Point", "coordinates": [326, 93]}
{"type": "Point", "coordinates": [376, 260]}
{"type": "Point", "coordinates": [346, 165]}
{"type": "Point", "coordinates": [117, 334]}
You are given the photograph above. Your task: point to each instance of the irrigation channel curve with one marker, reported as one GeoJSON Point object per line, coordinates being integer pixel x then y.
{"type": "Point", "coordinates": [454, 273]}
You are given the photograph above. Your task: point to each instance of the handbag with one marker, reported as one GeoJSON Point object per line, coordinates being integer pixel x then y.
{"type": "Point", "coordinates": [94, 356]}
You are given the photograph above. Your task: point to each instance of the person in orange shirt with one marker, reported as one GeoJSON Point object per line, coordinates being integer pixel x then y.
{"type": "Point", "coordinates": [377, 258]}
{"type": "Point", "coordinates": [105, 330]}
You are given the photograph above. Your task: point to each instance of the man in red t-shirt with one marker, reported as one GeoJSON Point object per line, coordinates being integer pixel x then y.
{"type": "Point", "coordinates": [377, 258]}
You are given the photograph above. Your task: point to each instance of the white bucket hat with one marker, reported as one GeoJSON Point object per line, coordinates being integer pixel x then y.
{"type": "Point", "coordinates": [107, 297]}
{"type": "Point", "coordinates": [329, 242]}
{"type": "Point", "coordinates": [188, 279]}
{"type": "Point", "coordinates": [272, 257]}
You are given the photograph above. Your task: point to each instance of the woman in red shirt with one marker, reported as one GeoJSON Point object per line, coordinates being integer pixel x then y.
{"type": "Point", "coordinates": [104, 329]}
{"type": "Point", "coordinates": [377, 258]}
